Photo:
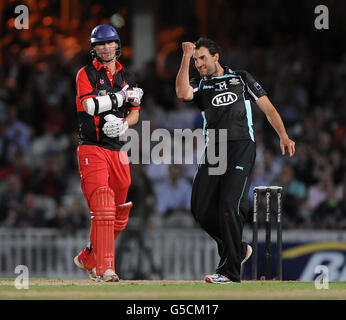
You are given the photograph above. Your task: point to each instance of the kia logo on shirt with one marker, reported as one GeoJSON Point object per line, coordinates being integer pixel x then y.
{"type": "Point", "coordinates": [224, 99]}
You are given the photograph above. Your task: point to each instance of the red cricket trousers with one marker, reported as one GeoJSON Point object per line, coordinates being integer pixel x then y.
{"type": "Point", "coordinates": [100, 167]}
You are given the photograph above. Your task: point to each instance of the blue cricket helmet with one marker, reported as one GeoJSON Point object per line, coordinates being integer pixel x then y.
{"type": "Point", "coordinates": [102, 33]}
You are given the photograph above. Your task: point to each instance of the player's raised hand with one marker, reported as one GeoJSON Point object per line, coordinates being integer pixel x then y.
{"type": "Point", "coordinates": [188, 48]}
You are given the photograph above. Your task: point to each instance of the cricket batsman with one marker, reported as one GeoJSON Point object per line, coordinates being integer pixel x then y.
{"type": "Point", "coordinates": [108, 102]}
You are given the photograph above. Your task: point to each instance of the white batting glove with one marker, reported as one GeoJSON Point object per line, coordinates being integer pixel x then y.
{"type": "Point", "coordinates": [114, 126]}
{"type": "Point", "coordinates": [134, 96]}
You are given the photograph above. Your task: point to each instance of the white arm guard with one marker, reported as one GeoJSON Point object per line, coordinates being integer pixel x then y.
{"type": "Point", "coordinates": [97, 105]}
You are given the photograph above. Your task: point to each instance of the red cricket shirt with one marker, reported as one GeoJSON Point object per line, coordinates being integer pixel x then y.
{"type": "Point", "coordinates": [96, 80]}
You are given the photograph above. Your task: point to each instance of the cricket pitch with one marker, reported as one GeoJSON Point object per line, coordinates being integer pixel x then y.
{"type": "Point", "coordinates": [77, 289]}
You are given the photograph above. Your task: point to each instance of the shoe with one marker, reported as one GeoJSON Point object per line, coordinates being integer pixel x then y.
{"type": "Point", "coordinates": [91, 273]}
{"type": "Point", "coordinates": [217, 278]}
{"type": "Point", "coordinates": [108, 276]}
{"type": "Point", "coordinates": [248, 254]}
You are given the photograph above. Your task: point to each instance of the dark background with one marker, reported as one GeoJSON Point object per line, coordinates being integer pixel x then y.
{"type": "Point", "coordinates": [302, 69]}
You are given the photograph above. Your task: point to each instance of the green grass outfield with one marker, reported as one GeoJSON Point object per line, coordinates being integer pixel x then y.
{"type": "Point", "coordinates": [69, 289]}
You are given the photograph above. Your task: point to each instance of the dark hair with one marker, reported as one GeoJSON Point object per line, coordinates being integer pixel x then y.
{"type": "Point", "coordinates": [211, 45]}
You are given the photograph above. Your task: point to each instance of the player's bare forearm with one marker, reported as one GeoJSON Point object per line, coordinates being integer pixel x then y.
{"type": "Point", "coordinates": [272, 115]}
{"type": "Point", "coordinates": [183, 88]}
{"type": "Point", "coordinates": [182, 84]}
{"type": "Point", "coordinates": [276, 122]}
{"type": "Point", "coordinates": [133, 117]}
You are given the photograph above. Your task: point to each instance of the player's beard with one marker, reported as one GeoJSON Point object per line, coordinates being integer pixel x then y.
{"type": "Point", "coordinates": [212, 72]}
{"type": "Point", "coordinates": [113, 56]}
{"type": "Point", "coordinates": [109, 60]}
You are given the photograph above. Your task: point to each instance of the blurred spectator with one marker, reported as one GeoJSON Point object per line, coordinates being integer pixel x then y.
{"type": "Point", "coordinates": [257, 180]}
{"type": "Point", "coordinates": [156, 172]}
{"type": "Point", "coordinates": [182, 116]}
{"type": "Point", "coordinates": [328, 213]}
{"type": "Point", "coordinates": [50, 180]}
{"type": "Point", "coordinates": [53, 141]}
{"type": "Point", "coordinates": [17, 166]}
{"type": "Point", "coordinates": [337, 166]}
{"type": "Point", "coordinates": [4, 144]}
{"type": "Point", "coordinates": [69, 218]}
{"type": "Point", "coordinates": [174, 193]}
{"type": "Point", "coordinates": [304, 164]}
{"type": "Point", "coordinates": [29, 215]}
{"type": "Point", "coordinates": [153, 112]}
{"type": "Point", "coordinates": [240, 57]}
{"type": "Point", "coordinates": [79, 216]}
{"type": "Point", "coordinates": [323, 143]}
{"type": "Point", "coordinates": [142, 195]}
{"type": "Point", "coordinates": [270, 167]}
{"type": "Point", "coordinates": [341, 214]}
{"type": "Point", "coordinates": [17, 133]}
{"type": "Point", "coordinates": [160, 156]}
{"type": "Point", "coordinates": [294, 194]}
{"type": "Point", "coordinates": [11, 197]}
{"type": "Point", "coordinates": [319, 192]}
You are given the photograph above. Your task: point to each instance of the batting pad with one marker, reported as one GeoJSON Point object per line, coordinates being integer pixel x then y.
{"type": "Point", "coordinates": [102, 220]}
{"type": "Point", "coordinates": [122, 216]}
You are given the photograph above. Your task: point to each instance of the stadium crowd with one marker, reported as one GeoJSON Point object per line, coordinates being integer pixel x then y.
{"type": "Point", "coordinates": [39, 180]}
